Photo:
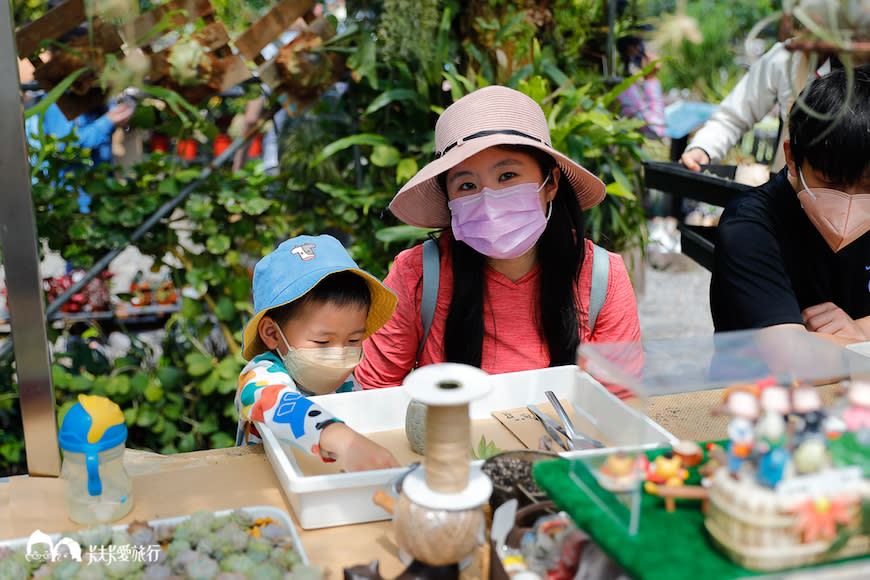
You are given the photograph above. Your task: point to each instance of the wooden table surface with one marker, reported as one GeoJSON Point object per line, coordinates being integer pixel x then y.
{"type": "Point", "coordinates": [173, 485]}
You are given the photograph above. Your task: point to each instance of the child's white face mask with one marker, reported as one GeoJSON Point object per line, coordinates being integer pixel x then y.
{"type": "Point", "coordinates": [320, 370]}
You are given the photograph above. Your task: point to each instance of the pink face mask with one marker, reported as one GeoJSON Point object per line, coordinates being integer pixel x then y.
{"type": "Point", "coordinates": [501, 224]}
{"type": "Point", "coordinates": [840, 217]}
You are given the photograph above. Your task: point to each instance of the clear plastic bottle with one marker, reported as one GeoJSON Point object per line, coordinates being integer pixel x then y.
{"type": "Point", "coordinates": [93, 438]}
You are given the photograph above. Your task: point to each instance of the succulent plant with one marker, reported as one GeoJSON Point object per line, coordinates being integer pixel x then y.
{"type": "Point", "coordinates": [157, 572]}
{"type": "Point", "coordinates": [182, 559]}
{"type": "Point", "coordinates": [13, 569]}
{"type": "Point", "coordinates": [235, 547]}
{"type": "Point", "coordinates": [92, 573]}
{"type": "Point", "coordinates": [231, 538]}
{"type": "Point", "coordinates": [98, 535]}
{"type": "Point", "coordinates": [141, 534]}
{"type": "Point", "coordinates": [287, 558]}
{"type": "Point", "coordinates": [175, 547]}
{"type": "Point", "coordinates": [267, 571]}
{"type": "Point", "coordinates": [237, 563]}
{"type": "Point", "coordinates": [272, 531]}
{"type": "Point", "coordinates": [259, 549]}
{"type": "Point", "coordinates": [202, 567]}
{"type": "Point", "coordinates": [242, 518]}
{"type": "Point", "coordinates": [208, 545]}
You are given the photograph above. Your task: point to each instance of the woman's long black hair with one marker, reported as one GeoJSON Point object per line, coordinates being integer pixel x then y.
{"type": "Point", "coordinates": [560, 252]}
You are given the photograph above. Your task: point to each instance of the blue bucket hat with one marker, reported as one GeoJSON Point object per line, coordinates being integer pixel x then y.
{"type": "Point", "coordinates": [297, 266]}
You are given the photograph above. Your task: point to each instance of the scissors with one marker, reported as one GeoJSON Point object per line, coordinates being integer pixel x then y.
{"type": "Point", "coordinates": [578, 439]}
{"type": "Point", "coordinates": [553, 429]}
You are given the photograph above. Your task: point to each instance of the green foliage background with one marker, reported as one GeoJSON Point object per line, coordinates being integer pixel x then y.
{"type": "Point", "coordinates": [341, 162]}
{"type": "Point", "coordinates": [710, 68]}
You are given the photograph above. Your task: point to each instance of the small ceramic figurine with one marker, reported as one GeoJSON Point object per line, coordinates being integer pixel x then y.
{"type": "Point", "coordinates": [619, 473]}
{"type": "Point", "coordinates": [857, 416]}
{"type": "Point", "coordinates": [716, 458]}
{"type": "Point", "coordinates": [809, 442]}
{"type": "Point", "coordinates": [690, 452]}
{"type": "Point", "coordinates": [807, 406]}
{"type": "Point", "coordinates": [771, 433]}
{"type": "Point", "coordinates": [666, 469]}
{"type": "Point", "coordinates": [741, 402]}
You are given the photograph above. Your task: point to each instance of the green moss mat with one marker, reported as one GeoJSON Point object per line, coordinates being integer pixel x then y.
{"type": "Point", "coordinates": [668, 546]}
{"type": "Point", "coordinates": [847, 450]}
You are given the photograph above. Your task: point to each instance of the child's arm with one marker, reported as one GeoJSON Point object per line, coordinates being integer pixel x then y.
{"type": "Point", "coordinates": [354, 451]}
{"type": "Point", "coordinates": [267, 394]}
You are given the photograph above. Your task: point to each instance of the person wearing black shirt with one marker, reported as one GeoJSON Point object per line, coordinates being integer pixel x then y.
{"type": "Point", "coordinates": [796, 251]}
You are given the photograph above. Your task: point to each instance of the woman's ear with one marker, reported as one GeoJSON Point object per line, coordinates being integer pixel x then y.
{"type": "Point", "coordinates": [553, 184]}
{"type": "Point", "coordinates": [267, 328]}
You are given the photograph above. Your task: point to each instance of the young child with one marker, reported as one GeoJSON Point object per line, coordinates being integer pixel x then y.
{"type": "Point", "coordinates": [313, 308]}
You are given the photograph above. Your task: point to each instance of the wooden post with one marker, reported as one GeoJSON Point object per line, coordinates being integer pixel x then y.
{"type": "Point", "coordinates": [21, 260]}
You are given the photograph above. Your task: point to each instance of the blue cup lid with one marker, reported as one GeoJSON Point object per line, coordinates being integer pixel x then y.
{"type": "Point", "coordinates": [92, 425]}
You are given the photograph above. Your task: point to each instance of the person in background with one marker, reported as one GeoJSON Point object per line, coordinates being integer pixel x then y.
{"type": "Point", "coordinates": [93, 130]}
{"type": "Point", "coordinates": [642, 100]}
{"type": "Point", "coordinates": [794, 251]}
{"type": "Point", "coordinates": [313, 308]}
{"type": "Point", "coordinates": [515, 266]}
{"type": "Point", "coordinates": [766, 86]}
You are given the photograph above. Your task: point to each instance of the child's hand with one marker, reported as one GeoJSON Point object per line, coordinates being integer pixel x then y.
{"type": "Point", "coordinates": [355, 452]}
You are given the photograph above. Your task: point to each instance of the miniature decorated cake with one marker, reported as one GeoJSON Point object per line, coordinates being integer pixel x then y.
{"type": "Point", "coordinates": [794, 490]}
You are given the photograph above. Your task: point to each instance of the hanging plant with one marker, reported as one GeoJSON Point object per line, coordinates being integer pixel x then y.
{"type": "Point", "coordinates": [189, 63]}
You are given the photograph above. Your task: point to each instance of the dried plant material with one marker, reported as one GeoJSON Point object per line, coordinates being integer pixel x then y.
{"type": "Point", "coordinates": [189, 63]}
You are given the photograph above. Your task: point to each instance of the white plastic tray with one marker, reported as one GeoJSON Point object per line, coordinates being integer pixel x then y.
{"type": "Point", "coordinates": [261, 511]}
{"type": "Point", "coordinates": [321, 501]}
{"type": "Point", "coordinates": [860, 348]}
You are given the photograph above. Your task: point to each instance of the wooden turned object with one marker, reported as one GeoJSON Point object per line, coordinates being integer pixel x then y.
{"type": "Point", "coordinates": [438, 518]}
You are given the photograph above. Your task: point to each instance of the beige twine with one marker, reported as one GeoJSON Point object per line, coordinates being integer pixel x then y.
{"type": "Point", "coordinates": [448, 437]}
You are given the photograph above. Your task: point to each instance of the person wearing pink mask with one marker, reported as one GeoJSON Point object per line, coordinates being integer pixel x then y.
{"type": "Point", "coordinates": [796, 251]}
{"type": "Point", "coordinates": [514, 267]}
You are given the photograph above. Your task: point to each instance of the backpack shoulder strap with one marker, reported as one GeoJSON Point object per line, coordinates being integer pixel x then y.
{"type": "Point", "coordinates": [431, 278]}
{"type": "Point", "coordinates": [600, 275]}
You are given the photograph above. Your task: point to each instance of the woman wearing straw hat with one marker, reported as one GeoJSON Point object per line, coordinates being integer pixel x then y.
{"type": "Point", "coordinates": [515, 271]}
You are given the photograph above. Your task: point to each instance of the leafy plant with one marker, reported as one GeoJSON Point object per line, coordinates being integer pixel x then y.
{"type": "Point", "coordinates": [709, 67]}
{"type": "Point", "coordinates": [485, 449]}
{"type": "Point", "coordinates": [181, 399]}
{"type": "Point", "coordinates": [342, 160]}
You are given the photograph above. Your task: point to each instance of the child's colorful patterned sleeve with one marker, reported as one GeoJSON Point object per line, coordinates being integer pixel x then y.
{"type": "Point", "coordinates": [264, 395]}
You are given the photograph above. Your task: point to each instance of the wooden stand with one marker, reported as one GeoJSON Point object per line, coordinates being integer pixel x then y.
{"type": "Point", "coordinates": [671, 492]}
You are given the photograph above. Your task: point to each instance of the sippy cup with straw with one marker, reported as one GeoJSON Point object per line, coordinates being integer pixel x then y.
{"type": "Point", "coordinates": [93, 437]}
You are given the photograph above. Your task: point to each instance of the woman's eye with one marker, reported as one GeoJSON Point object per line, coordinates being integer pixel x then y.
{"type": "Point", "coordinates": [467, 186]}
{"type": "Point", "coordinates": [320, 341]}
{"type": "Point", "coordinates": [506, 176]}
{"type": "Point", "coordinates": [354, 341]}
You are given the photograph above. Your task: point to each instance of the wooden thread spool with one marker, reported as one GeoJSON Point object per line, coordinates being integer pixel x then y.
{"type": "Point", "coordinates": [438, 519]}
{"type": "Point", "coordinates": [448, 436]}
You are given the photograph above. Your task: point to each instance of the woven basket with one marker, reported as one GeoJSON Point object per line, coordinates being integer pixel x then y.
{"type": "Point", "coordinates": [752, 526]}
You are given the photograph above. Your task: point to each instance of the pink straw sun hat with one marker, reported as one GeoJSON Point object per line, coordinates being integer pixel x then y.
{"type": "Point", "coordinates": [487, 117]}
